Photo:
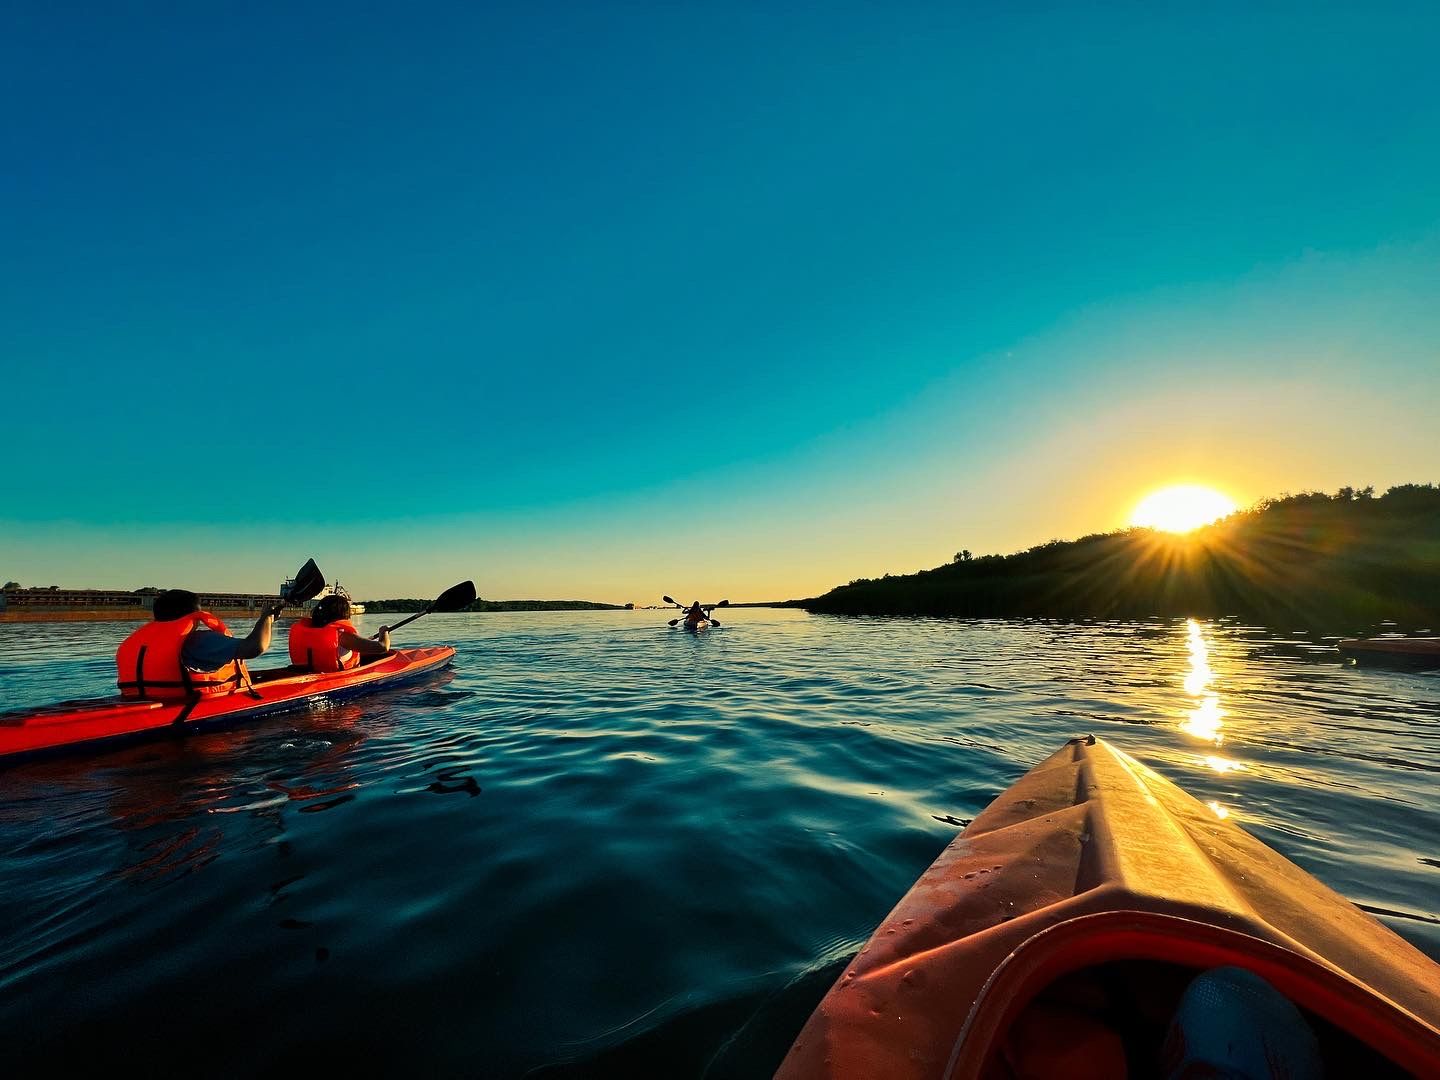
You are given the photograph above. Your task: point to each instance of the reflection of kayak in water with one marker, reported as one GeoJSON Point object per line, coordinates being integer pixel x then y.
{"type": "Point", "coordinates": [1396, 650]}
{"type": "Point", "coordinates": [1057, 934]}
{"type": "Point", "coordinates": [89, 723]}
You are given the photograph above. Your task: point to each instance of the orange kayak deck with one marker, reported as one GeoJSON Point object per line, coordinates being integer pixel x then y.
{"type": "Point", "coordinates": [90, 724]}
{"type": "Point", "coordinates": [1089, 859]}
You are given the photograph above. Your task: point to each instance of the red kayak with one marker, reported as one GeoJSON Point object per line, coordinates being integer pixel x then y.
{"type": "Point", "coordinates": [1060, 933]}
{"type": "Point", "coordinates": [1419, 652]}
{"type": "Point", "coordinates": [87, 724]}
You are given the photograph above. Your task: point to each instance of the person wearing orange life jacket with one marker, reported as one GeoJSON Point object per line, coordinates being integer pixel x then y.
{"type": "Point", "coordinates": [186, 652]}
{"type": "Point", "coordinates": [327, 640]}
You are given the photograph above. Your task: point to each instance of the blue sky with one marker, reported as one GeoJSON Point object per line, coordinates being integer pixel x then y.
{"type": "Point", "coordinates": [613, 302]}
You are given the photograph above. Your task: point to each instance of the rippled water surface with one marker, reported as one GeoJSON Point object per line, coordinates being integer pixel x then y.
{"type": "Point", "coordinates": [599, 844]}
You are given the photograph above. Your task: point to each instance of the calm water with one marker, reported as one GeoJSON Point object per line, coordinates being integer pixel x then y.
{"type": "Point", "coordinates": [599, 844]}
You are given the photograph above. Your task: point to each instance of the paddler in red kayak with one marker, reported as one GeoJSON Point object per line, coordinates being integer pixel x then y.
{"type": "Point", "coordinates": [186, 652]}
{"type": "Point", "coordinates": [327, 640]}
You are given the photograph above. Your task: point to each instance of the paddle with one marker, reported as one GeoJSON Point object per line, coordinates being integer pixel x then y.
{"type": "Point", "coordinates": [710, 611]}
{"type": "Point", "coordinates": [452, 599]}
{"type": "Point", "coordinates": [307, 584]}
{"type": "Point", "coordinates": [672, 600]}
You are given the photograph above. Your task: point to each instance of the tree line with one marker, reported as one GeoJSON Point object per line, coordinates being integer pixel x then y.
{"type": "Point", "coordinates": [410, 605]}
{"type": "Point", "coordinates": [1338, 562]}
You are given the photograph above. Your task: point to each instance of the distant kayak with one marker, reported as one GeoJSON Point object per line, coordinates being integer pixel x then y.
{"type": "Point", "coordinates": [1057, 934]}
{"type": "Point", "coordinates": [697, 616]}
{"type": "Point", "coordinates": [1420, 652]}
{"type": "Point", "coordinates": [90, 724]}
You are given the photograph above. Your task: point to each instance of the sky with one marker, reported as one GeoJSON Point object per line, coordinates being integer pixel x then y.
{"type": "Point", "coordinates": [609, 301]}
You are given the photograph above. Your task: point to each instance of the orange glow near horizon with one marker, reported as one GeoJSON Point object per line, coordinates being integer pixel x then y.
{"type": "Point", "coordinates": [1181, 508]}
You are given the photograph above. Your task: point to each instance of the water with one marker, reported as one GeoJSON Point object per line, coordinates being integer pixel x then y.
{"type": "Point", "coordinates": [599, 845]}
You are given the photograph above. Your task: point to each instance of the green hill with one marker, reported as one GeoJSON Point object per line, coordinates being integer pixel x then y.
{"type": "Point", "coordinates": [1342, 561]}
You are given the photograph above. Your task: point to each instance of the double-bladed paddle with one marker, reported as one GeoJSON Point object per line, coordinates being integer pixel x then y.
{"type": "Point", "coordinates": [452, 599]}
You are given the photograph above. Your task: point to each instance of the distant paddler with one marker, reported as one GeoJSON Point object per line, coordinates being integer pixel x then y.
{"type": "Point", "coordinates": [697, 616]}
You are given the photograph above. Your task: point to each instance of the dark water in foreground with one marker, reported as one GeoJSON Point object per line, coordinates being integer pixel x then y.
{"type": "Point", "coordinates": [598, 844]}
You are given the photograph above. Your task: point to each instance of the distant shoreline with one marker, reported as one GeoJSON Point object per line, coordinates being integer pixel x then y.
{"type": "Point", "coordinates": [1340, 563]}
{"type": "Point", "coordinates": [138, 613]}
{"type": "Point", "coordinates": [373, 607]}
{"type": "Point", "coordinates": [22, 615]}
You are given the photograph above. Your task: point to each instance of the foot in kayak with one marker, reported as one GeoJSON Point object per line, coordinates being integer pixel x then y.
{"type": "Point", "coordinates": [1231, 1022]}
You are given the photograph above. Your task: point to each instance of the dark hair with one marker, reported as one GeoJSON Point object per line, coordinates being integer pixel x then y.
{"type": "Point", "coordinates": [175, 604]}
{"type": "Point", "coordinates": [331, 609]}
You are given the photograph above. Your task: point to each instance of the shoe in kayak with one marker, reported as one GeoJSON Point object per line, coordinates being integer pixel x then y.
{"type": "Point", "coordinates": [1058, 933]}
{"type": "Point", "coordinates": [87, 724]}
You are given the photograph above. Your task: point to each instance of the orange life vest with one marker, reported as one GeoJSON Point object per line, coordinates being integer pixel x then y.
{"type": "Point", "coordinates": [150, 665]}
{"type": "Point", "coordinates": [317, 648]}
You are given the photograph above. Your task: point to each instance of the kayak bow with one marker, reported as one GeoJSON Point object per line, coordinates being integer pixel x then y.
{"type": "Point", "coordinates": [87, 724]}
{"type": "Point", "coordinates": [1092, 884]}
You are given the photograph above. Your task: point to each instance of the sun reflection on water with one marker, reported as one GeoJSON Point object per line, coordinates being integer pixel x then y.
{"type": "Point", "coordinates": [1222, 765]}
{"type": "Point", "coordinates": [1206, 718]}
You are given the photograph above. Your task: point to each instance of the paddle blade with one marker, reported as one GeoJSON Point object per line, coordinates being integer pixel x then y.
{"type": "Point", "coordinates": [455, 598]}
{"type": "Point", "coordinates": [669, 600]}
{"type": "Point", "coordinates": [309, 583]}
{"type": "Point", "coordinates": [723, 603]}
{"type": "Point", "coordinates": [674, 621]}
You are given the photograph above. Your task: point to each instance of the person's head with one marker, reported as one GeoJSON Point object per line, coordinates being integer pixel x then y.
{"type": "Point", "coordinates": [696, 609]}
{"type": "Point", "coordinates": [331, 609]}
{"type": "Point", "coordinates": [175, 604]}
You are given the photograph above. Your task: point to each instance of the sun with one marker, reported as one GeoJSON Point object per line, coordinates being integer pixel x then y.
{"type": "Point", "coordinates": [1182, 507]}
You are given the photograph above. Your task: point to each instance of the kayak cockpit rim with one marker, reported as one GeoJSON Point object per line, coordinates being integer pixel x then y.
{"type": "Point", "coordinates": [1101, 938]}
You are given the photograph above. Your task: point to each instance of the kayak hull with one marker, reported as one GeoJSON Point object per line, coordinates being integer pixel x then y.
{"type": "Point", "coordinates": [1408, 652]}
{"type": "Point", "coordinates": [103, 723]}
{"type": "Point", "coordinates": [696, 627]}
{"type": "Point", "coordinates": [1091, 858]}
